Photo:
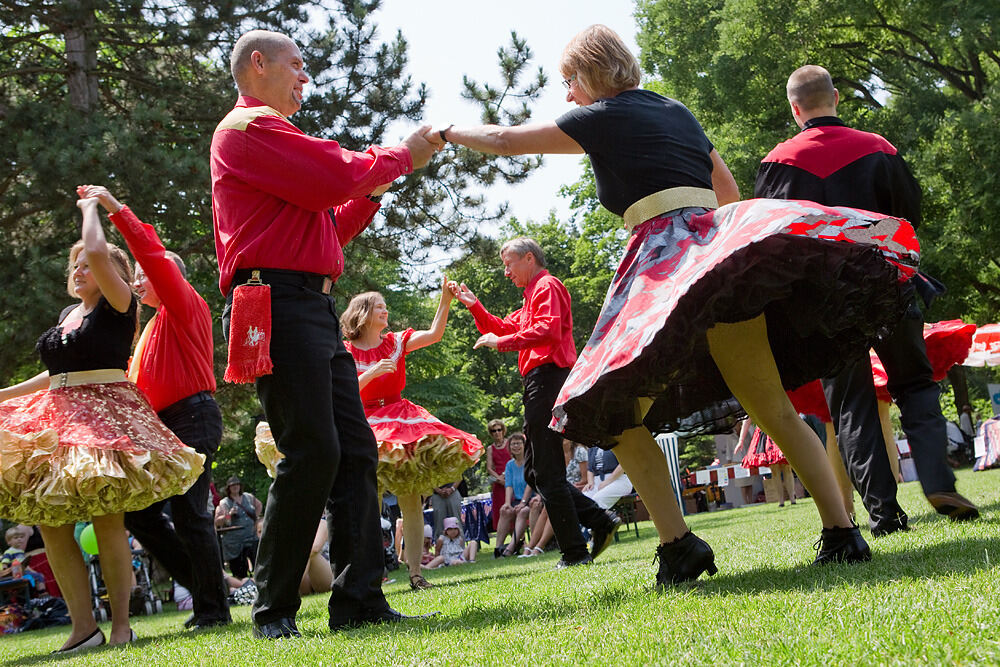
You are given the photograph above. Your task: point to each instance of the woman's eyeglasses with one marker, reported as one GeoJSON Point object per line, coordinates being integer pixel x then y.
{"type": "Point", "coordinates": [569, 82]}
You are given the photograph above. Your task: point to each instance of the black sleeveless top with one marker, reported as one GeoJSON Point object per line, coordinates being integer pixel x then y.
{"type": "Point", "coordinates": [103, 340]}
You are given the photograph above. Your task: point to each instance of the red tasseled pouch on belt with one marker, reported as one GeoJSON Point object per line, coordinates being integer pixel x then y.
{"type": "Point", "coordinates": [249, 333]}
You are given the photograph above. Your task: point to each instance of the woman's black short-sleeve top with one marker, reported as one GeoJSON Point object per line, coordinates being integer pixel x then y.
{"type": "Point", "coordinates": [103, 340]}
{"type": "Point", "coordinates": [639, 143]}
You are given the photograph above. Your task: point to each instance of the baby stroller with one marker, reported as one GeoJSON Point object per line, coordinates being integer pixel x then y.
{"type": "Point", "coordinates": [391, 559]}
{"type": "Point", "coordinates": [142, 599]}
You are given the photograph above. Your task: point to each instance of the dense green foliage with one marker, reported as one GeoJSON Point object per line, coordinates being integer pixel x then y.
{"type": "Point", "coordinates": [127, 93]}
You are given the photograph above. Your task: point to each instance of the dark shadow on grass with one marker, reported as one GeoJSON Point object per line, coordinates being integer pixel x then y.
{"type": "Point", "coordinates": [925, 562]}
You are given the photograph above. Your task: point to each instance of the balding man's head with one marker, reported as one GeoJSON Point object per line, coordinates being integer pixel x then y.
{"type": "Point", "coordinates": [268, 43]}
{"type": "Point", "coordinates": [811, 88]}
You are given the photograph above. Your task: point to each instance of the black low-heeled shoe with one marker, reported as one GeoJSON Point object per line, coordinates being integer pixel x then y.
{"type": "Point", "coordinates": [684, 559]}
{"type": "Point", "coordinates": [93, 640]}
{"type": "Point", "coordinates": [841, 545]}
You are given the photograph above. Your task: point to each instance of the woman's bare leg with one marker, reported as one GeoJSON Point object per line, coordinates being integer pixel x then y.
{"type": "Point", "coordinates": [413, 530]}
{"type": "Point", "coordinates": [116, 568]}
{"type": "Point", "coordinates": [71, 574]}
{"type": "Point", "coordinates": [743, 354]}
{"type": "Point", "coordinates": [839, 471]}
{"type": "Point", "coordinates": [504, 525]}
{"type": "Point", "coordinates": [890, 439]}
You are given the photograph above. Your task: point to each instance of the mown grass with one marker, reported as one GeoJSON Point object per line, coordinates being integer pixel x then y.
{"type": "Point", "coordinates": [929, 596]}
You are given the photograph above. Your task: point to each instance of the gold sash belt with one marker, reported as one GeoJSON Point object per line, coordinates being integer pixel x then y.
{"type": "Point", "coordinates": [76, 378]}
{"type": "Point", "coordinates": [670, 199]}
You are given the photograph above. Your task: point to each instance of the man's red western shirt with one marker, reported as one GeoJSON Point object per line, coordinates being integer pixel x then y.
{"type": "Point", "coordinates": [541, 331]}
{"type": "Point", "coordinates": [284, 200]}
{"type": "Point", "coordinates": [177, 357]}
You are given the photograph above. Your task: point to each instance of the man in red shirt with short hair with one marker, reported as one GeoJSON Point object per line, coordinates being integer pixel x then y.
{"type": "Point", "coordinates": [284, 204]}
{"type": "Point", "coordinates": [172, 365]}
{"type": "Point", "coordinates": [542, 334]}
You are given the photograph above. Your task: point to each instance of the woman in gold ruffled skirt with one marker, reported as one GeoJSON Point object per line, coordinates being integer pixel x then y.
{"type": "Point", "coordinates": [80, 442]}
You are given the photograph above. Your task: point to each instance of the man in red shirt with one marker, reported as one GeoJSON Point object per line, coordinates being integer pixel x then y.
{"type": "Point", "coordinates": [172, 365]}
{"type": "Point", "coordinates": [542, 334]}
{"type": "Point", "coordinates": [284, 203]}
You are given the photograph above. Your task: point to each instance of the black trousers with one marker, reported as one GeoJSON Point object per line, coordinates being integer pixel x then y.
{"type": "Point", "coordinates": [313, 406]}
{"type": "Point", "coordinates": [545, 465]}
{"type": "Point", "coordinates": [189, 549]}
{"type": "Point", "coordinates": [852, 400]}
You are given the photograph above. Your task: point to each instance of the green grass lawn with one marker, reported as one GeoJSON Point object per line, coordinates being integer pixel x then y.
{"type": "Point", "coordinates": [928, 596]}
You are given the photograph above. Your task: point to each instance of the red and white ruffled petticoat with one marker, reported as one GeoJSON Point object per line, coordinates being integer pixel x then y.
{"type": "Point", "coordinates": [416, 451]}
{"type": "Point", "coordinates": [947, 342]}
{"type": "Point", "coordinates": [71, 453]}
{"type": "Point", "coordinates": [828, 280]}
{"type": "Point", "coordinates": [762, 452]}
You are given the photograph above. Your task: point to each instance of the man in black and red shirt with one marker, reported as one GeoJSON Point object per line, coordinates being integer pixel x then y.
{"type": "Point", "coordinates": [836, 165]}
{"type": "Point", "coordinates": [542, 335]}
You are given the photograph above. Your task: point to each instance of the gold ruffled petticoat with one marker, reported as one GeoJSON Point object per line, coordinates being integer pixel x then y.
{"type": "Point", "coordinates": [414, 468]}
{"type": "Point", "coordinates": [72, 453]}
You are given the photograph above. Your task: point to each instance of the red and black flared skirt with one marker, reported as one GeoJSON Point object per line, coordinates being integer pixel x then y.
{"type": "Point", "coordinates": [829, 280]}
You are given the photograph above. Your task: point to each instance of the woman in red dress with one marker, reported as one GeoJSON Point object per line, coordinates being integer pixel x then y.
{"type": "Point", "coordinates": [80, 442]}
{"type": "Point", "coordinates": [416, 451]}
{"type": "Point", "coordinates": [497, 455]}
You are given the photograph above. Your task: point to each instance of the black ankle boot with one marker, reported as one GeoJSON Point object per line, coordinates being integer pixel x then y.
{"type": "Point", "coordinates": [684, 559]}
{"type": "Point", "coordinates": [841, 545]}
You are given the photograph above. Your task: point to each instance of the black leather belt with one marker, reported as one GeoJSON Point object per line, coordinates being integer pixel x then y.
{"type": "Point", "coordinates": [316, 282]}
{"type": "Point", "coordinates": [186, 403]}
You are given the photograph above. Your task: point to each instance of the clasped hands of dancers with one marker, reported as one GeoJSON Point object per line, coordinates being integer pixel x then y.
{"type": "Point", "coordinates": [701, 323]}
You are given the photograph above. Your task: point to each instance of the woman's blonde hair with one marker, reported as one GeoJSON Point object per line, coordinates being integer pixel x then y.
{"type": "Point", "coordinates": [119, 260]}
{"type": "Point", "coordinates": [602, 63]}
{"type": "Point", "coordinates": [496, 422]}
{"type": "Point", "coordinates": [357, 313]}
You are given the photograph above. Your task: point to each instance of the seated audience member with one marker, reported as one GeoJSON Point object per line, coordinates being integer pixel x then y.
{"type": "Point", "coordinates": [606, 479]}
{"type": "Point", "coordinates": [426, 556]}
{"type": "Point", "coordinates": [239, 547]}
{"type": "Point", "coordinates": [451, 547]}
{"type": "Point", "coordinates": [318, 575]}
{"type": "Point", "coordinates": [576, 463]}
{"type": "Point", "coordinates": [13, 562]}
{"type": "Point", "coordinates": [515, 511]}
{"type": "Point", "coordinates": [446, 501]}
{"type": "Point", "coordinates": [541, 531]}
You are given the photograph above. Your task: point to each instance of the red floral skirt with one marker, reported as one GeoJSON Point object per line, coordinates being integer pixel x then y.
{"type": "Point", "coordinates": [416, 450]}
{"type": "Point", "coordinates": [72, 453]}
{"type": "Point", "coordinates": [829, 281]}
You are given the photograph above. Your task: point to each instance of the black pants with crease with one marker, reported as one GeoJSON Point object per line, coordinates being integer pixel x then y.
{"type": "Point", "coordinates": [189, 549]}
{"type": "Point", "coordinates": [545, 465]}
{"type": "Point", "coordinates": [853, 405]}
{"type": "Point", "coordinates": [313, 405]}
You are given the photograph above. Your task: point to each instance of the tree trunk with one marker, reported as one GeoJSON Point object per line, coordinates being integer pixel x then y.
{"type": "Point", "coordinates": [81, 57]}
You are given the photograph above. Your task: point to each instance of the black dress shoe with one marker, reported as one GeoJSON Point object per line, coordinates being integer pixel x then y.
{"type": "Point", "coordinates": [684, 559]}
{"type": "Point", "coordinates": [883, 528]}
{"type": "Point", "coordinates": [563, 563]}
{"type": "Point", "coordinates": [841, 545]}
{"type": "Point", "coordinates": [387, 615]}
{"type": "Point", "coordinates": [281, 628]}
{"type": "Point", "coordinates": [954, 505]}
{"type": "Point", "coordinates": [604, 536]}
{"type": "Point", "coordinates": [205, 623]}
